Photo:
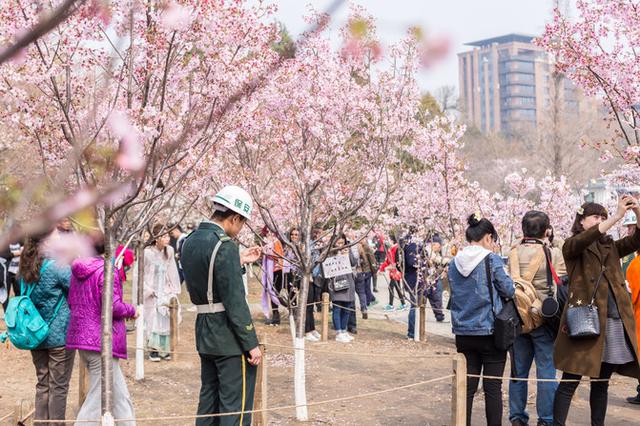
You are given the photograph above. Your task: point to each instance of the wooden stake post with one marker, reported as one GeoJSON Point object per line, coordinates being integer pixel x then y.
{"type": "Point", "coordinates": [23, 413]}
{"type": "Point", "coordinates": [260, 396]}
{"type": "Point", "coordinates": [459, 391]}
{"type": "Point", "coordinates": [325, 317]}
{"type": "Point", "coordinates": [83, 380]}
{"type": "Point", "coordinates": [173, 318]}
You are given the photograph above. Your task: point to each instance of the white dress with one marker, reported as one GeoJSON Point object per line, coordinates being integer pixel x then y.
{"type": "Point", "coordinates": [161, 283]}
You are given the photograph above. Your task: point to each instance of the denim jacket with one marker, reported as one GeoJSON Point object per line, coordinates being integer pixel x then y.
{"type": "Point", "coordinates": [470, 302]}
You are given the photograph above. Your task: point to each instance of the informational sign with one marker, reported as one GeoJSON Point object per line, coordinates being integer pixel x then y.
{"type": "Point", "coordinates": [336, 266]}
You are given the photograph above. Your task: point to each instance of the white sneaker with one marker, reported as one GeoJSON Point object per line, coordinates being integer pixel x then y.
{"type": "Point", "coordinates": [309, 337]}
{"type": "Point", "coordinates": [350, 337]}
{"type": "Point", "coordinates": [342, 338]}
{"type": "Point", "coordinates": [316, 334]}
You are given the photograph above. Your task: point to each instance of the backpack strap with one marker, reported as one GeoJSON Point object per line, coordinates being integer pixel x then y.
{"type": "Point", "coordinates": [487, 268]}
{"type": "Point", "coordinates": [532, 269]}
{"type": "Point", "coordinates": [56, 310]}
{"type": "Point", "coordinates": [30, 287]}
{"type": "Point", "coordinates": [210, 307]}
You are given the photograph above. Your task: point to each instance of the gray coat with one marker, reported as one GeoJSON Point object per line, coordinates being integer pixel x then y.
{"type": "Point", "coordinates": [348, 295]}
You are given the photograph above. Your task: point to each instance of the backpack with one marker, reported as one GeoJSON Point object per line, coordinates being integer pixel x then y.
{"type": "Point", "coordinates": [526, 298]}
{"type": "Point", "coordinates": [25, 326]}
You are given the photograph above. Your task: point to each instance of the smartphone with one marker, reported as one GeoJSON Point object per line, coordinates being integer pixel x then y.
{"type": "Point", "coordinates": [624, 193]}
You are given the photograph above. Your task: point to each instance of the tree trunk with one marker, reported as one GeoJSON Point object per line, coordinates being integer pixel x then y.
{"type": "Point", "coordinates": [299, 377]}
{"type": "Point", "coordinates": [299, 381]}
{"type": "Point", "coordinates": [140, 320]}
{"type": "Point", "coordinates": [107, 319]}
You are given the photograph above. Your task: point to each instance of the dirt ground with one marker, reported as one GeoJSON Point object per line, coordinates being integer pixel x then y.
{"type": "Point", "coordinates": [171, 387]}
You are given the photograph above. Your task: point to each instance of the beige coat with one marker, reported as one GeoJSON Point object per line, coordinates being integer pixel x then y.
{"type": "Point", "coordinates": [526, 253]}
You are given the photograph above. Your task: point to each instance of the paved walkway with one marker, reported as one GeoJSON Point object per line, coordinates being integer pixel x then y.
{"type": "Point", "coordinates": [433, 326]}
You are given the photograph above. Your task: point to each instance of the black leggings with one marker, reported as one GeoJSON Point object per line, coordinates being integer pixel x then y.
{"type": "Point", "coordinates": [277, 286]}
{"type": "Point", "coordinates": [393, 284]}
{"type": "Point", "coordinates": [597, 396]}
{"type": "Point", "coordinates": [12, 282]}
{"type": "Point", "coordinates": [483, 357]}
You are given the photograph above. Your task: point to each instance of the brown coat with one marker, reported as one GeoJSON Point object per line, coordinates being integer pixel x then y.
{"type": "Point", "coordinates": [583, 255]}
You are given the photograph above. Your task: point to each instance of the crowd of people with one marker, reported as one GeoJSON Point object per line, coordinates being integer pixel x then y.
{"type": "Point", "coordinates": [68, 298]}
{"type": "Point", "coordinates": [582, 324]}
{"type": "Point", "coordinates": [578, 302]}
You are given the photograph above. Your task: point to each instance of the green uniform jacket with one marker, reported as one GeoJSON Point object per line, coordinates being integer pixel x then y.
{"type": "Point", "coordinates": [223, 333]}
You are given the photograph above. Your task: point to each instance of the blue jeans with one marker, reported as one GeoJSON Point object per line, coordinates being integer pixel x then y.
{"type": "Point", "coordinates": [411, 330]}
{"type": "Point", "coordinates": [340, 315]}
{"type": "Point", "coordinates": [367, 287]}
{"type": "Point", "coordinates": [538, 346]}
{"type": "Point", "coordinates": [434, 294]}
{"type": "Point", "coordinates": [362, 281]}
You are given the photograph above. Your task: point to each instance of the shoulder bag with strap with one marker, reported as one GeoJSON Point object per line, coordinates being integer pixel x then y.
{"type": "Point", "coordinates": [553, 306]}
{"type": "Point", "coordinates": [210, 307]}
{"type": "Point", "coordinates": [507, 324]}
{"type": "Point", "coordinates": [526, 297]}
{"type": "Point", "coordinates": [26, 329]}
{"type": "Point", "coordinates": [583, 322]}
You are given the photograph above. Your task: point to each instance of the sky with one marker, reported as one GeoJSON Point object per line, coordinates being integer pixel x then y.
{"type": "Point", "coordinates": [461, 20]}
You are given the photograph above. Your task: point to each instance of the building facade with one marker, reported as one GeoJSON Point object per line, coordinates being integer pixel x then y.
{"type": "Point", "coordinates": [506, 84]}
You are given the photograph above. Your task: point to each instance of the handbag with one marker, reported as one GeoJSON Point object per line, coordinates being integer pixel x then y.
{"type": "Point", "coordinates": [583, 322]}
{"type": "Point", "coordinates": [507, 325]}
{"type": "Point", "coordinates": [340, 285]}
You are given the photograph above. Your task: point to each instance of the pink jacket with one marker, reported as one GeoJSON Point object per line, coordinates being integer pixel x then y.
{"type": "Point", "coordinates": [85, 301]}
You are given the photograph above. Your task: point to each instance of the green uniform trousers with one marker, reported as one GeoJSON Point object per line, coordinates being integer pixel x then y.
{"type": "Point", "coordinates": [228, 385]}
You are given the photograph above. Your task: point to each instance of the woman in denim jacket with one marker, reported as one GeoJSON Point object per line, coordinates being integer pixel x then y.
{"type": "Point", "coordinates": [471, 312]}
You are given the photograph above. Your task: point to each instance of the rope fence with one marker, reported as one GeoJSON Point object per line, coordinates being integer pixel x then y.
{"type": "Point", "coordinates": [280, 408]}
{"type": "Point", "coordinates": [305, 349]}
{"type": "Point", "coordinates": [533, 380]}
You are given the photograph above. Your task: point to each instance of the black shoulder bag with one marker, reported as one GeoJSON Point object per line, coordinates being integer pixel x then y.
{"type": "Point", "coordinates": [507, 325]}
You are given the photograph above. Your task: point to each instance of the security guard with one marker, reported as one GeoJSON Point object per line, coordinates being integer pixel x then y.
{"type": "Point", "coordinates": [225, 337]}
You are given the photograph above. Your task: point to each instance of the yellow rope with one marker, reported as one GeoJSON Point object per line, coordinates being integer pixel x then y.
{"type": "Point", "coordinates": [531, 379]}
{"type": "Point", "coordinates": [285, 407]}
{"type": "Point", "coordinates": [293, 348]}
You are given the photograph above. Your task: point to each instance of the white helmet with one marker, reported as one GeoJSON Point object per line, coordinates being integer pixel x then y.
{"type": "Point", "coordinates": [630, 219]}
{"type": "Point", "coordinates": [234, 198]}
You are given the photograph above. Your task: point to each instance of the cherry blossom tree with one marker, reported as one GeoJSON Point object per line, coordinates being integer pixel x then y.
{"type": "Point", "coordinates": [122, 103]}
{"type": "Point", "coordinates": [597, 49]}
{"type": "Point", "coordinates": [333, 127]}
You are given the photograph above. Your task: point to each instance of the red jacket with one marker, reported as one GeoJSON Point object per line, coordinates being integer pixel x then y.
{"type": "Point", "coordinates": [390, 260]}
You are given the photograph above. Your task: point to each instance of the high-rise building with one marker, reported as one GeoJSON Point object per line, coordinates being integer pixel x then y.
{"type": "Point", "coordinates": [506, 84]}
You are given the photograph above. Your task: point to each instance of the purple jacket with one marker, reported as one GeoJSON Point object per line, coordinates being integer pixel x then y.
{"type": "Point", "coordinates": [85, 301]}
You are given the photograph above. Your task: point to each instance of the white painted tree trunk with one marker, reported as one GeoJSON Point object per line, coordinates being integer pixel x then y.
{"type": "Point", "coordinates": [107, 420]}
{"type": "Point", "coordinates": [299, 381]}
{"type": "Point", "coordinates": [418, 324]}
{"type": "Point", "coordinates": [140, 343]}
{"type": "Point", "coordinates": [134, 283]}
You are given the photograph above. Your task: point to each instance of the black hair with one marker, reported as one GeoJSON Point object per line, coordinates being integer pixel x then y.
{"type": "Point", "coordinates": [222, 215]}
{"type": "Point", "coordinates": [586, 210]}
{"type": "Point", "coordinates": [156, 232]}
{"type": "Point", "coordinates": [478, 228]}
{"type": "Point", "coordinates": [97, 239]}
{"type": "Point", "coordinates": [535, 224]}
{"type": "Point", "coordinates": [175, 226]}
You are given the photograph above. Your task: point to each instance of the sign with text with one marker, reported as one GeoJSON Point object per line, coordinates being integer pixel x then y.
{"type": "Point", "coordinates": [336, 266]}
